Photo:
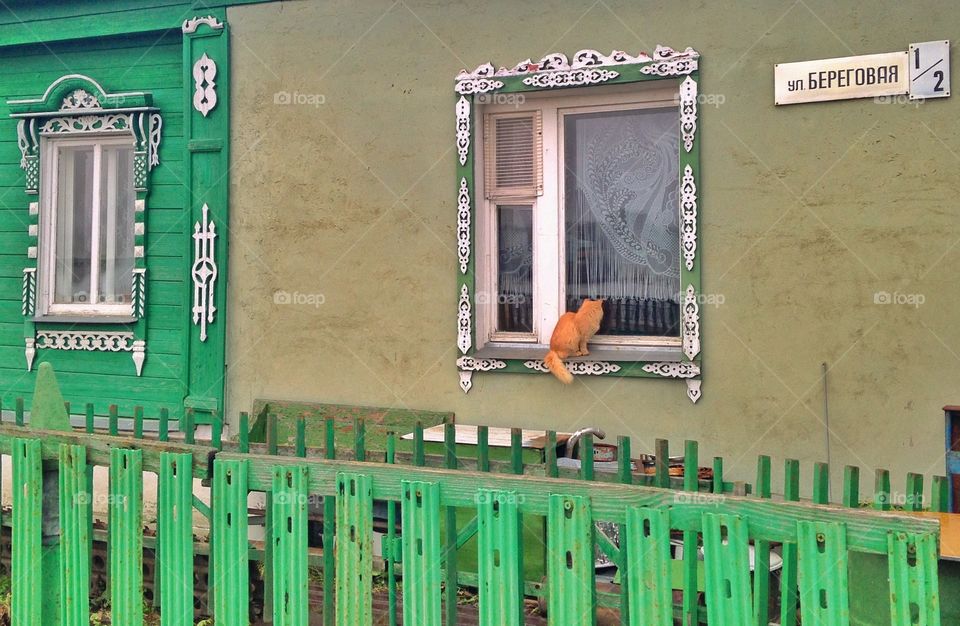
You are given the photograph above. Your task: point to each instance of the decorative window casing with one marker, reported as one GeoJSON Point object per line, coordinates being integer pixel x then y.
{"type": "Point", "coordinates": [87, 155]}
{"type": "Point", "coordinates": [496, 221]}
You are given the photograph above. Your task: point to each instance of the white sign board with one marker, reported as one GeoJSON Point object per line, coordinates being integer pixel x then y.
{"type": "Point", "coordinates": [929, 70]}
{"type": "Point", "coordinates": [866, 76]}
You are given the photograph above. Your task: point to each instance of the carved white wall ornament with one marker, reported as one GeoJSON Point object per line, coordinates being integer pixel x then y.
{"type": "Point", "coordinates": [467, 365]}
{"type": "Point", "coordinates": [29, 351]}
{"type": "Point", "coordinates": [570, 78]}
{"type": "Point", "coordinates": [674, 67]}
{"type": "Point", "coordinates": [673, 369]}
{"type": "Point", "coordinates": [89, 342]}
{"type": "Point", "coordinates": [80, 99]}
{"type": "Point", "coordinates": [205, 93]}
{"type": "Point", "coordinates": [139, 354]}
{"type": "Point", "coordinates": [583, 58]}
{"type": "Point", "coordinates": [29, 291]}
{"type": "Point", "coordinates": [463, 129]}
{"type": "Point", "coordinates": [590, 368]}
{"type": "Point", "coordinates": [463, 225]}
{"type": "Point", "coordinates": [688, 216]}
{"type": "Point", "coordinates": [156, 124]}
{"type": "Point", "coordinates": [691, 323]}
{"type": "Point", "coordinates": [190, 25]}
{"type": "Point", "coordinates": [204, 272]}
{"type": "Point", "coordinates": [477, 85]}
{"type": "Point", "coordinates": [88, 123]}
{"type": "Point", "coordinates": [480, 365]}
{"type": "Point", "coordinates": [693, 390]}
{"type": "Point", "coordinates": [688, 112]}
{"type": "Point", "coordinates": [463, 320]}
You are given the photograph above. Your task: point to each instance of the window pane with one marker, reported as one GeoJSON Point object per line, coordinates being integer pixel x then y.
{"type": "Point", "coordinates": [621, 218]}
{"type": "Point", "coordinates": [74, 225]}
{"type": "Point", "coordinates": [116, 224]}
{"type": "Point", "coordinates": [514, 268]}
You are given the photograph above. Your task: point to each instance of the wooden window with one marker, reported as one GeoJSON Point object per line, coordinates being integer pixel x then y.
{"type": "Point", "coordinates": [581, 200]}
{"type": "Point", "coordinates": [87, 227]}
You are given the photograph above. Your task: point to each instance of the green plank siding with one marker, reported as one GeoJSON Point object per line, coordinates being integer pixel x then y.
{"type": "Point", "coordinates": [150, 61]}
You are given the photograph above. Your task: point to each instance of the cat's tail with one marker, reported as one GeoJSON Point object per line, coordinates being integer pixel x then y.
{"type": "Point", "coordinates": [555, 364]}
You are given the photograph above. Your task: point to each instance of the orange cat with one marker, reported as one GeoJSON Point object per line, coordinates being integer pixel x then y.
{"type": "Point", "coordinates": [570, 336]}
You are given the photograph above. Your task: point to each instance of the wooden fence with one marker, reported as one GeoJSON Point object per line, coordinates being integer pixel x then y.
{"type": "Point", "coordinates": [723, 577]}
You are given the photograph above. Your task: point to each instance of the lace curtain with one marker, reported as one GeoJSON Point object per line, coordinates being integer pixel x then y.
{"type": "Point", "coordinates": [621, 214]}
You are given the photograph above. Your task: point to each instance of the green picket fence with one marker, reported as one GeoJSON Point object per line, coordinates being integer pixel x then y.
{"type": "Point", "coordinates": [717, 531]}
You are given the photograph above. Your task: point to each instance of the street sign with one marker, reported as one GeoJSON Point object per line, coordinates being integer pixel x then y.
{"type": "Point", "coordinates": [864, 76]}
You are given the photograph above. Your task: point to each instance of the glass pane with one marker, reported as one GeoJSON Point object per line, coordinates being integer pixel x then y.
{"type": "Point", "coordinates": [74, 225]}
{"type": "Point", "coordinates": [514, 269]}
{"type": "Point", "coordinates": [621, 218]}
{"type": "Point", "coordinates": [116, 224]}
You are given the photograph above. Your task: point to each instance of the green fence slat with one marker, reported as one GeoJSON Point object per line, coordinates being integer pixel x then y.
{"type": "Point", "coordinates": [126, 536]}
{"type": "Point", "coordinates": [420, 515]}
{"type": "Point", "coordinates": [822, 573]}
{"type": "Point", "coordinates": [650, 572]}
{"type": "Point", "coordinates": [914, 586]}
{"type": "Point", "coordinates": [354, 567]}
{"type": "Point", "coordinates": [290, 600]}
{"type": "Point", "coordinates": [27, 515]}
{"type": "Point", "coordinates": [498, 550]}
{"type": "Point", "coordinates": [788, 573]}
{"type": "Point", "coordinates": [175, 536]}
{"type": "Point", "coordinates": [74, 537]}
{"type": "Point", "coordinates": [727, 568]}
{"type": "Point", "coordinates": [231, 574]}
{"type": "Point", "coordinates": [570, 561]}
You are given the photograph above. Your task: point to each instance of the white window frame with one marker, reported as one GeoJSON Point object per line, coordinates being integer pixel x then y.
{"type": "Point", "coordinates": [549, 248]}
{"type": "Point", "coordinates": [50, 151]}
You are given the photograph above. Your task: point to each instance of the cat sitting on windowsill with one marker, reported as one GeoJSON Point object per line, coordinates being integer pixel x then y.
{"type": "Point", "coordinates": [570, 337]}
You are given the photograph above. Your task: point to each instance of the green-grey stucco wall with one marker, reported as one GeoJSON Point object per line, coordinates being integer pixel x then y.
{"type": "Point", "coordinates": [807, 212]}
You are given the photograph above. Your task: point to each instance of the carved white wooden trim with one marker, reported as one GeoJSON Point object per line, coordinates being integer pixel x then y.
{"type": "Point", "coordinates": [590, 368]}
{"type": "Point", "coordinates": [139, 355]}
{"type": "Point", "coordinates": [688, 112]}
{"type": "Point", "coordinates": [477, 85]}
{"type": "Point", "coordinates": [480, 365]}
{"type": "Point", "coordinates": [570, 78]}
{"type": "Point", "coordinates": [204, 272]}
{"type": "Point", "coordinates": [205, 92]}
{"type": "Point", "coordinates": [691, 323]}
{"type": "Point", "coordinates": [670, 62]}
{"type": "Point", "coordinates": [672, 369]}
{"type": "Point", "coordinates": [463, 129]}
{"type": "Point", "coordinates": [88, 342]}
{"type": "Point", "coordinates": [467, 365]}
{"type": "Point", "coordinates": [693, 390]}
{"type": "Point", "coordinates": [156, 125]}
{"type": "Point", "coordinates": [29, 351]}
{"type": "Point", "coordinates": [463, 225]}
{"type": "Point", "coordinates": [584, 58]}
{"type": "Point", "coordinates": [106, 122]}
{"type": "Point", "coordinates": [190, 25]}
{"type": "Point", "coordinates": [80, 99]}
{"type": "Point", "coordinates": [463, 320]}
{"type": "Point", "coordinates": [688, 216]}
{"type": "Point", "coordinates": [29, 290]}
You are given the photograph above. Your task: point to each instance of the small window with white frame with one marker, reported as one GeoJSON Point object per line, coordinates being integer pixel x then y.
{"type": "Point", "coordinates": [578, 197]}
{"type": "Point", "coordinates": [87, 215]}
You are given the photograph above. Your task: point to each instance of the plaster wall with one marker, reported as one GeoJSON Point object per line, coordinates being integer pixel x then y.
{"type": "Point", "coordinates": [343, 195]}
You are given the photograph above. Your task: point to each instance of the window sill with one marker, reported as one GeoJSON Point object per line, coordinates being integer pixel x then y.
{"type": "Point", "coordinates": [85, 319]}
{"type": "Point", "coordinates": [597, 353]}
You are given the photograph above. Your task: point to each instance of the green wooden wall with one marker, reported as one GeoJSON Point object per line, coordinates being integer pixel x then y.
{"type": "Point", "coordinates": [144, 62]}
